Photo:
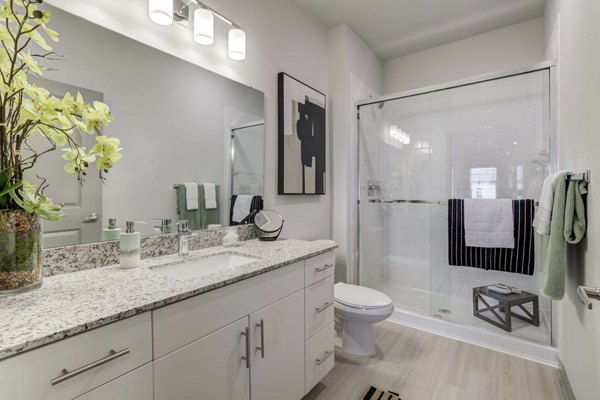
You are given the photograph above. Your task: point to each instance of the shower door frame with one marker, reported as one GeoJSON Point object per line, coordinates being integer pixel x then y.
{"type": "Point", "coordinates": [353, 270]}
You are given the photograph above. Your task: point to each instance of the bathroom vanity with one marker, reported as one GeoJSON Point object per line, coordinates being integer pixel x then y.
{"type": "Point", "coordinates": [260, 328]}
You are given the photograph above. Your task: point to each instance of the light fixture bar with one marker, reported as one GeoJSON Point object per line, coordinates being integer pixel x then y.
{"type": "Point", "coordinates": [181, 15]}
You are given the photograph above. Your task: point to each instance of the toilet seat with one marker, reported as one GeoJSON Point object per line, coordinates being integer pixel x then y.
{"type": "Point", "coordinates": [360, 297]}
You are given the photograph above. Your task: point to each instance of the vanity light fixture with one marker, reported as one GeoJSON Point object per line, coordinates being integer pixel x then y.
{"type": "Point", "coordinates": [161, 11]}
{"type": "Point", "coordinates": [204, 26]}
{"type": "Point", "coordinates": [164, 12]}
{"type": "Point", "coordinates": [236, 49]}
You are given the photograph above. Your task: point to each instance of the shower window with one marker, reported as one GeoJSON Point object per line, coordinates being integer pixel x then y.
{"type": "Point", "coordinates": [483, 140]}
{"type": "Point", "coordinates": [483, 183]}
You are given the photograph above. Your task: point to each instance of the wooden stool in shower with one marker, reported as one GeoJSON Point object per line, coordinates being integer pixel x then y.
{"type": "Point", "coordinates": [505, 302]}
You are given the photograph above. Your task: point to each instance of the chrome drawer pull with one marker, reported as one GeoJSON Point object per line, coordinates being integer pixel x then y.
{"type": "Point", "coordinates": [112, 355]}
{"type": "Point", "coordinates": [323, 268]}
{"type": "Point", "coordinates": [325, 306]}
{"type": "Point", "coordinates": [262, 338]}
{"type": "Point", "coordinates": [246, 358]}
{"type": "Point", "coordinates": [325, 357]}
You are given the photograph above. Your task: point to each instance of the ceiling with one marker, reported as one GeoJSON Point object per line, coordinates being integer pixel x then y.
{"type": "Point", "coordinates": [393, 28]}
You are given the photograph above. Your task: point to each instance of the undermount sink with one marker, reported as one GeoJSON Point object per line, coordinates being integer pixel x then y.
{"type": "Point", "coordinates": [195, 268]}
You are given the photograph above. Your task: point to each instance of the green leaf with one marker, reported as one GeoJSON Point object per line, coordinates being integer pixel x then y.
{"type": "Point", "coordinates": [11, 188]}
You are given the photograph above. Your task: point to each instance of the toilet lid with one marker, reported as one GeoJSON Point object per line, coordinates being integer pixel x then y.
{"type": "Point", "coordinates": [360, 296]}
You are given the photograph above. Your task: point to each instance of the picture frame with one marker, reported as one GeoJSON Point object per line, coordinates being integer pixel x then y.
{"type": "Point", "coordinates": [302, 138]}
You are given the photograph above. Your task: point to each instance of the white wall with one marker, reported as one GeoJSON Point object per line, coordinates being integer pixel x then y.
{"type": "Point", "coordinates": [576, 40]}
{"type": "Point", "coordinates": [280, 37]}
{"type": "Point", "coordinates": [355, 73]}
{"type": "Point", "coordinates": [509, 47]}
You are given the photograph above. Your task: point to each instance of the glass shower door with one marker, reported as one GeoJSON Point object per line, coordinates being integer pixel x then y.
{"type": "Point", "coordinates": [485, 140]}
{"type": "Point", "coordinates": [395, 185]}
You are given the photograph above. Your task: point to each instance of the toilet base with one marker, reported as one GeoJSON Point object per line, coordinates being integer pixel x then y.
{"type": "Point", "coordinates": [357, 339]}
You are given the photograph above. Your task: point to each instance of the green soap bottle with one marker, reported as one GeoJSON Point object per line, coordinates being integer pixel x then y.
{"type": "Point", "coordinates": [111, 232]}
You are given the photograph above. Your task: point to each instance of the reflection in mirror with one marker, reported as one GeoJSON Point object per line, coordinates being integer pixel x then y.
{"type": "Point", "coordinates": [193, 141]}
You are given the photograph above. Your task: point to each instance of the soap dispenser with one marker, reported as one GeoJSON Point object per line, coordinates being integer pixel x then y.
{"type": "Point", "coordinates": [130, 247]}
{"type": "Point", "coordinates": [111, 232]}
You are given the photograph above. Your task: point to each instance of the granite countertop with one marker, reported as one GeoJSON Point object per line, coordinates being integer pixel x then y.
{"type": "Point", "coordinates": [76, 302]}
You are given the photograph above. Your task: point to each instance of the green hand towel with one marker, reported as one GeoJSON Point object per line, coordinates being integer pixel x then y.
{"type": "Point", "coordinates": [568, 223]}
{"type": "Point", "coordinates": [575, 222]}
{"type": "Point", "coordinates": [200, 218]}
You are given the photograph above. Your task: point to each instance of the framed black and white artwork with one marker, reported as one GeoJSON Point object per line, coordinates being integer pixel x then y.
{"type": "Point", "coordinates": [302, 140]}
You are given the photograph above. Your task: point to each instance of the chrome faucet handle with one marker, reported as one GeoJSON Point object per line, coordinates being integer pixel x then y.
{"type": "Point", "coordinates": [164, 225]}
{"type": "Point", "coordinates": [182, 226]}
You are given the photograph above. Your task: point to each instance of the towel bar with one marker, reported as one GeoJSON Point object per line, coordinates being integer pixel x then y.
{"type": "Point", "coordinates": [411, 201]}
{"type": "Point", "coordinates": [584, 176]}
{"type": "Point", "coordinates": [583, 292]}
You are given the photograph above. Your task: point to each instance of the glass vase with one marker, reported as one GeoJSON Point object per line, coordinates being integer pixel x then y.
{"type": "Point", "coordinates": [21, 254]}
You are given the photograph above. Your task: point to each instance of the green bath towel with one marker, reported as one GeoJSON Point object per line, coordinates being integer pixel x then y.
{"type": "Point", "coordinates": [200, 218]}
{"type": "Point", "coordinates": [567, 224]}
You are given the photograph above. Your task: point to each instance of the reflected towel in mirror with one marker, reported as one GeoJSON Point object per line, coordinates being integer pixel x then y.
{"type": "Point", "coordinates": [210, 196]}
{"type": "Point", "coordinates": [191, 196]}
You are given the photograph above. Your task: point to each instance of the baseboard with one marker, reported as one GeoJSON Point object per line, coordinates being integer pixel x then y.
{"type": "Point", "coordinates": [479, 337]}
{"type": "Point", "coordinates": [565, 383]}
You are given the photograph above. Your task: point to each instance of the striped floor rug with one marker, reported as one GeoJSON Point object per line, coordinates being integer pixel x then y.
{"type": "Point", "coordinates": [372, 393]}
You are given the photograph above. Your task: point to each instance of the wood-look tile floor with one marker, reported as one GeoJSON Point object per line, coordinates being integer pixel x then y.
{"type": "Point", "coordinates": [423, 366]}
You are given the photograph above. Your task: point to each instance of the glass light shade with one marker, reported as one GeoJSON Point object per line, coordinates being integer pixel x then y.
{"type": "Point", "coordinates": [161, 11]}
{"type": "Point", "coordinates": [204, 26]}
{"type": "Point", "coordinates": [236, 49]}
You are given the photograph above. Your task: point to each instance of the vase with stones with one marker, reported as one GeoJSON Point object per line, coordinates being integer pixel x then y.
{"type": "Point", "coordinates": [30, 115]}
{"type": "Point", "coordinates": [21, 254]}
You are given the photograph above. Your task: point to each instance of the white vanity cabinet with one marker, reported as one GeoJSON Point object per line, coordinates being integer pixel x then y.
{"type": "Point", "coordinates": [318, 318]}
{"type": "Point", "coordinates": [135, 385]}
{"type": "Point", "coordinates": [269, 337]}
{"type": "Point", "coordinates": [82, 363]}
{"type": "Point", "coordinates": [260, 356]}
{"type": "Point", "coordinates": [288, 314]}
{"type": "Point", "coordinates": [265, 348]}
{"type": "Point", "coordinates": [213, 367]}
{"type": "Point", "coordinates": [277, 350]}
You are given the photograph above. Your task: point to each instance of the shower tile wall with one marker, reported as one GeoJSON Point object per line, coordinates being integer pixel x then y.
{"type": "Point", "coordinates": [485, 140]}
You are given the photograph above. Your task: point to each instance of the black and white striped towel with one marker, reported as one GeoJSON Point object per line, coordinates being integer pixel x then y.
{"type": "Point", "coordinates": [520, 260]}
{"type": "Point", "coordinates": [255, 205]}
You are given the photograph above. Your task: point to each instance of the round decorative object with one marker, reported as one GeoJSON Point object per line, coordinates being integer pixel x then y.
{"type": "Point", "coordinates": [21, 253]}
{"type": "Point", "coordinates": [269, 224]}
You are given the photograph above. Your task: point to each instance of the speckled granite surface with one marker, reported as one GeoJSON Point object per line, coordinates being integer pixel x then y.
{"type": "Point", "coordinates": [61, 260]}
{"type": "Point", "coordinates": [68, 304]}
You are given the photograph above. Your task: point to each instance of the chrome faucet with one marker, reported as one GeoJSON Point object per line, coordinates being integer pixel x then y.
{"type": "Point", "coordinates": [164, 226]}
{"type": "Point", "coordinates": [184, 234]}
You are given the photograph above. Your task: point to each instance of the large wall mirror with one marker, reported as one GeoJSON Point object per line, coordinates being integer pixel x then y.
{"type": "Point", "coordinates": [178, 124]}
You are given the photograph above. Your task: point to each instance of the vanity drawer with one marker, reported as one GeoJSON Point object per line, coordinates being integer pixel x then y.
{"type": "Point", "coordinates": [318, 306]}
{"type": "Point", "coordinates": [319, 356]}
{"type": "Point", "coordinates": [92, 359]}
{"type": "Point", "coordinates": [135, 385]}
{"type": "Point", "coordinates": [318, 267]}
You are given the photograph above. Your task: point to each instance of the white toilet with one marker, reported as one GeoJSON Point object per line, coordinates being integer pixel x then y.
{"type": "Point", "coordinates": [357, 308]}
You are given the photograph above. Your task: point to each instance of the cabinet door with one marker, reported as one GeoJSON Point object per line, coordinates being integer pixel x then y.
{"type": "Point", "coordinates": [277, 361]}
{"type": "Point", "coordinates": [136, 385]}
{"type": "Point", "coordinates": [211, 368]}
